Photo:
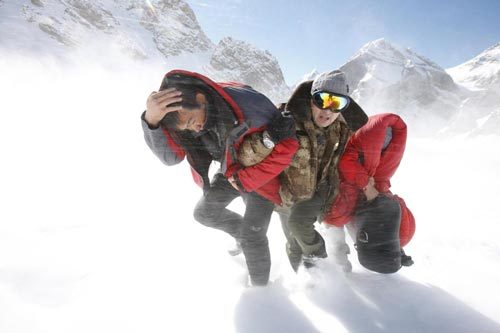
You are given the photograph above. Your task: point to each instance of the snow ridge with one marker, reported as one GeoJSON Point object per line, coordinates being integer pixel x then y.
{"type": "Point", "coordinates": [157, 31]}
{"type": "Point", "coordinates": [235, 60]}
{"type": "Point", "coordinates": [385, 77]}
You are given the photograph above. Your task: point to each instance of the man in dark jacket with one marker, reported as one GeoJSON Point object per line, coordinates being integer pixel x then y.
{"type": "Point", "coordinates": [195, 118]}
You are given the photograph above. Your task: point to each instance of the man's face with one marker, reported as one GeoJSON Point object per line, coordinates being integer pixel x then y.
{"type": "Point", "coordinates": [323, 117]}
{"type": "Point", "coordinates": [193, 119]}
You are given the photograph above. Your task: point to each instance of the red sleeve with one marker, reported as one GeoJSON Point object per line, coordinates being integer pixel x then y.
{"type": "Point", "coordinates": [407, 227]}
{"type": "Point", "coordinates": [344, 205]}
{"type": "Point", "coordinates": [351, 169]}
{"type": "Point", "coordinates": [362, 154]}
{"type": "Point", "coordinates": [255, 176]}
{"type": "Point", "coordinates": [197, 178]}
{"type": "Point", "coordinates": [391, 156]}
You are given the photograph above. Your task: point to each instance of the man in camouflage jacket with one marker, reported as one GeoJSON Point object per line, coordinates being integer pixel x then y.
{"type": "Point", "coordinates": [309, 184]}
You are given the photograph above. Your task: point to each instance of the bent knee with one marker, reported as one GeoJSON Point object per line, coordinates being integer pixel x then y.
{"type": "Point", "coordinates": [203, 215]}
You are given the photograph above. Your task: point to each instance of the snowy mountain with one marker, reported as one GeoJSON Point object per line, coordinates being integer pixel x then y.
{"type": "Point", "coordinates": [158, 30]}
{"type": "Point", "coordinates": [384, 77]}
{"type": "Point", "coordinates": [140, 29]}
{"type": "Point", "coordinates": [235, 60]}
{"type": "Point", "coordinates": [481, 72]}
{"type": "Point", "coordinates": [97, 235]}
{"type": "Point", "coordinates": [480, 112]}
{"type": "Point", "coordinates": [310, 76]}
{"type": "Point", "coordinates": [306, 77]}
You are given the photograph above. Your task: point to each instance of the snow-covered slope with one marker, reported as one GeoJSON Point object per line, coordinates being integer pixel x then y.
{"type": "Point", "coordinates": [384, 77]}
{"type": "Point", "coordinates": [479, 113]}
{"type": "Point", "coordinates": [309, 76]}
{"type": "Point", "coordinates": [97, 235]}
{"type": "Point", "coordinates": [481, 72]}
{"type": "Point", "coordinates": [306, 77]}
{"type": "Point", "coordinates": [140, 29]}
{"type": "Point", "coordinates": [157, 31]}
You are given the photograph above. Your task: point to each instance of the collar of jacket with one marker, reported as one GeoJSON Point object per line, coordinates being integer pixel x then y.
{"type": "Point", "coordinates": [299, 103]}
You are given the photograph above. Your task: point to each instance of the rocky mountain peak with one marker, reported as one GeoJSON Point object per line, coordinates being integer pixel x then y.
{"type": "Point", "coordinates": [138, 28]}
{"type": "Point", "coordinates": [310, 76]}
{"type": "Point", "coordinates": [481, 109]}
{"type": "Point", "coordinates": [481, 72]}
{"type": "Point", "coordinates": [173, 26]}
{"type": "Point", "coordinates": [385, 77]}
{"type": "Point", "coordinates": [385, 51]}
{"type": "Point", "coordinates": [487, 57]}
{"type": "Point", "coordinates": [237, 52]}
{"type": "Point", "coordinates": [236, 60]}
{"type": "Point", "coordinates": [165, 30]}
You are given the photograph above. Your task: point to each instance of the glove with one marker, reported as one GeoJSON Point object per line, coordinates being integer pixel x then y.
{"type": "Point", "coordinates": [282, 126]}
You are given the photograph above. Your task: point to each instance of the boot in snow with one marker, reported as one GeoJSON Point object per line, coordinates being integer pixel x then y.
{"type": "Point", "coordinates": [341, 259]}
{"type": "Point", "coordinates": [406, 260]}
{"type": "Point", "coordinates": [236, 249]}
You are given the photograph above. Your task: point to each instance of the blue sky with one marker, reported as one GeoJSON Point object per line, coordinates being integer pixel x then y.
{"type": "Point", "coordinates": [323, 34]}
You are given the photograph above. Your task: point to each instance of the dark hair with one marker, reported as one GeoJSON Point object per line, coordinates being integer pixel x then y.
{"type": "Point", "coordinates": [171, 119]}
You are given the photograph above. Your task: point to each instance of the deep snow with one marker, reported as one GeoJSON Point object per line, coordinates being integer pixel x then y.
{"type": "Point", "coordinates": [96, 235]}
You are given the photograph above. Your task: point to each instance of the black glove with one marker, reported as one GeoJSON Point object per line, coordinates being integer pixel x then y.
{"type": "Point", "coordinates": [406, 260]}
{"type": "Point", "coordinates": [282, 126]}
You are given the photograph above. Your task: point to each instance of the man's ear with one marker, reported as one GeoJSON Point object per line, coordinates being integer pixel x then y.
{"type": "Point", "coordinates": [201, 98]}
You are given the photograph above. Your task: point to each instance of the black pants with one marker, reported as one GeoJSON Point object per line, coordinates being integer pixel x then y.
{"type": "Point", "coordinates": [211, 209]}
{"type": "Point", "coordinates": [303, 241]}
{"type": "Point", "coordinates": [250, 229]}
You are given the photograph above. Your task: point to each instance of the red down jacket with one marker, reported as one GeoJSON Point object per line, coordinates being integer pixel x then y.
{"type": "Point", "coordinates": [244, 106]}
{"type": "Point", "coordinates": [375, 150]}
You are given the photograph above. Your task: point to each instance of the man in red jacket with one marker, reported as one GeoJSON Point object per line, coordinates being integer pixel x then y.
{"type": "Point", "coordinates": [195, 118]}
{"type": "Point", "coordinates": [381, 221]}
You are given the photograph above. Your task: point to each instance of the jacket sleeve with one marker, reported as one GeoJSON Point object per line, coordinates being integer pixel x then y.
{"type": "Point", "coordinates": [343, 207]}
{"type": "Point", "coordinates": [351, 169]}
{"type": "Point", "coordinates": [391, 156]}
{"type": "Point", "coordinates": [162, 144]}
{"type": "Point", "coordinates": [253, 177]}
{"type": "Point", "coordinates": [407, 226]}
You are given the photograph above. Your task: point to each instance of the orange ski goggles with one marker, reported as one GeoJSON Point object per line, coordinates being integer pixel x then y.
{"type": "Point", "coordinates": [331, 101]}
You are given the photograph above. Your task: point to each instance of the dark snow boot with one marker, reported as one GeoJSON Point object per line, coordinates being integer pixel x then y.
{"type": "Point", "coordinates": [341, 259]}
{"type": "Point", "coordinates": [236, 249]}
{"type": "Point", "coordinates": [311, 260]}
{"type": "Point", "coordinates": [406, 261]}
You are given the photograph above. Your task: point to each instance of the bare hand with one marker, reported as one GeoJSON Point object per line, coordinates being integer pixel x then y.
{"type": "Point", "coordinates": [158, 105]}
{"type": "Point", "coordinates": [233, 183]}
{"type": "Point", "coordinates": [370, 190]}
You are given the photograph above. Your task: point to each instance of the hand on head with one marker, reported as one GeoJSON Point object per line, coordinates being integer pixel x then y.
{"type": "Point", "coordinates": [160, 103]}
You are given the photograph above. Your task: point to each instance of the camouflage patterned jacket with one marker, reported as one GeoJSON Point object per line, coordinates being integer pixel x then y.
{"type": "Point", "coordinates": [314, 166]}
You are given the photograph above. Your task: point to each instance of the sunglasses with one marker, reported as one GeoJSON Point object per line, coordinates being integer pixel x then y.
{"type": "Point", "coordinates": [331, 101]}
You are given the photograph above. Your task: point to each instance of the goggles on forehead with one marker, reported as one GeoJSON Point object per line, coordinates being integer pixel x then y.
{"type": "Point", "coordinates": [328, 100]}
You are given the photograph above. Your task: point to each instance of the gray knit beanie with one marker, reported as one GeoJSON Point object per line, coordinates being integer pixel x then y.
{"type": "Point", "coordinates": [334, 82]}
